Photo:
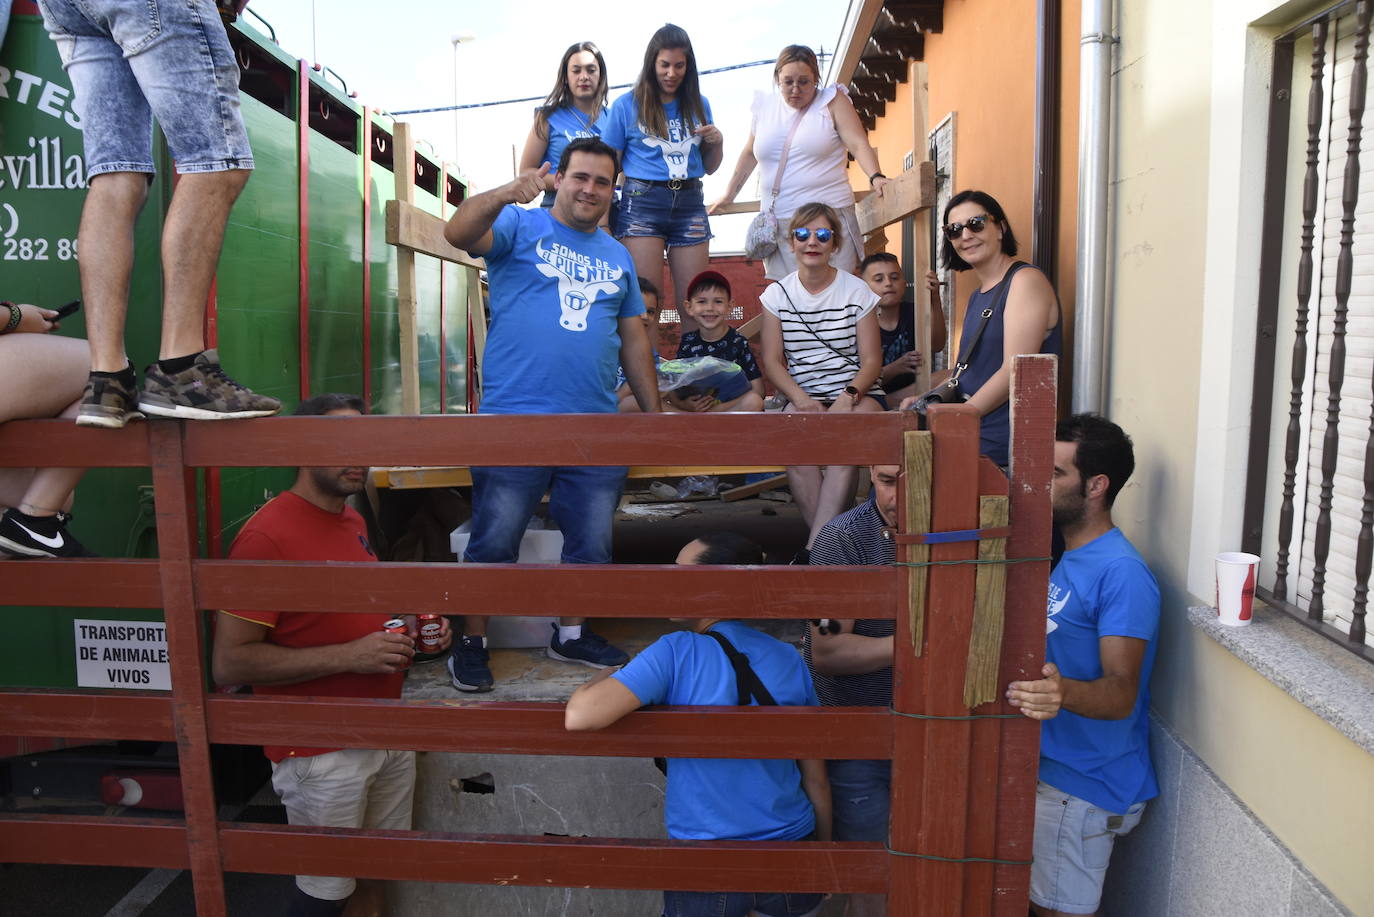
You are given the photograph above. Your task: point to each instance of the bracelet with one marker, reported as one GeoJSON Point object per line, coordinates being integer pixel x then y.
{"type": "Point", "coordinates": [874, 177]}
{"type": "Point", "coordinates": [16, 316]}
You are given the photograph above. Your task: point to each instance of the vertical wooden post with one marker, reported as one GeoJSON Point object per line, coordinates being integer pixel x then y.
{"type": "Point", "coordinates": [174, 490]}
{"type": "Point", "coordinates": [916, 503]}
{"type": "Point", "coordinates": [1033, 411]}
{"type": "Point", "coordinates": [920, 234]}
{"type": "Point", "coordinates": [403, 164]}
{"type": "Point", "coordinates": [477, 336]}
{"type": "Point", "coordinates": [931, 756]}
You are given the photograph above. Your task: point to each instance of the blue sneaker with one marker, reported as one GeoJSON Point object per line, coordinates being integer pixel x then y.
{"type": "Point", "coordinates": [589, 649]}
{"type": "Point", "coordinates": [467, 665]}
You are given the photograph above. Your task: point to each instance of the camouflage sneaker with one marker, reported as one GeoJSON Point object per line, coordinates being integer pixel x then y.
{"type": "Point", "coordinates": [108, 402]}
{"type": "Point", "coordinates": [203, 392]}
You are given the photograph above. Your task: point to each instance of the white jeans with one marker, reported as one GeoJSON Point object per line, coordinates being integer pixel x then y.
{"type": "Point", "coordinates": [349, 788]}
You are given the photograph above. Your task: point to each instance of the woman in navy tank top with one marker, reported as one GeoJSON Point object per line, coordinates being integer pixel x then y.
{"type": "Point", "coordinates": [1025, 310]}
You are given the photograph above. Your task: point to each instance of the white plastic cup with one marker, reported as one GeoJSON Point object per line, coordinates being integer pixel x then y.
{"type": "Point", "coordinates": [1236, 576]}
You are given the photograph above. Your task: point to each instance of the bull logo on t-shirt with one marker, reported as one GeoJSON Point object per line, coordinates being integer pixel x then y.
{"type": "Point", "coordinates": [581, 279]}
{"type": "Point", "coordinates": [1058, 597]}
{"type": "Point", "coordinates": [675, 153]}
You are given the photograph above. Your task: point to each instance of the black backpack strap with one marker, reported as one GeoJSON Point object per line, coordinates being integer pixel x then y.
{"type": "Point", "coordinates": [748, 685]}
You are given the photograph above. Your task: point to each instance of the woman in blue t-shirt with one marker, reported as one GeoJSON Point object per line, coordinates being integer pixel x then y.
{"type": "Point", "coordinates": [666, 140]}
{"type": "Point", "coordinates": [576, 102]}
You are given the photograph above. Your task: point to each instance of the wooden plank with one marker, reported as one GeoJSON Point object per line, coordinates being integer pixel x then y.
{"type": "Point", "coordinates": [758, 487]}
{"type": "Point", "coordinates": [409, 227]}
{"type": "Point", "coordinates": [174, 491]}
{"type": "Point", "coordinates": [82, 584]}
{"type": "Point", "coordinates": [406, 289]}
{"type": "Point", "coordinates": [740, 207]}
{"type": "Point", "coordinates": [68, 714]}
{"type": "Point", "coordinates": [551, 439]}
{"type": "Point", "coordinates": [34, 443]}
{"type": "Point", "coordinates": [920, 242]}
{"type": "Point", "coordinates": [558, 861]}
{"type": "Point", "coordinates": [751, 328]}
{"type": "Point", "coordinates": [461, 724]}
{"type": "Point", "coordinates": [593, 590]}
{"type": "Point", "coordinates": [990, 592]}
{"type": "Point", "coordinates": [903, 196]}
{"type": "Point", "coordinates": [87, 840]}
{"type": "Point", "coordinates": [916, 494]}
{"type": "Point", "coordinates": [412, 477]}
{"type": "Point", "coordinates": [1033, 412]}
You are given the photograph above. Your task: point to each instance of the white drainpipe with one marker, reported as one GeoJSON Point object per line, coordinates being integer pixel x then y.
{"type": "Point", "coordinates": [1094, 151]}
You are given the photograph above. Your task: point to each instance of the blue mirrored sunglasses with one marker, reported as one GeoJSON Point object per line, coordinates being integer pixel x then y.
{"type": "Point", "coordinates": [801, 234]}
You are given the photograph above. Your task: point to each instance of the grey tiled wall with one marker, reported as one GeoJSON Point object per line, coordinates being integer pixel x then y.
{"type": "Point", "coordinates": [1199, 852]}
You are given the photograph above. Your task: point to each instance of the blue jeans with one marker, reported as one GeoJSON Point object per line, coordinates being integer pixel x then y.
{"type": "Point", "coordinates": [582, 500]}
{"type": "Point", "coordinates": [677, 217]}
{"type": "Point", "coordinates": [132, 60]}
{"type": "Point", "coordinates": [860, 796]}
{"type": "Point", "coordinates": [740, 904]}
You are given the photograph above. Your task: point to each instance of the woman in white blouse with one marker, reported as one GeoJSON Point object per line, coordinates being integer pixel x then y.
{"type": "Point", "coordinates": [816, 167]}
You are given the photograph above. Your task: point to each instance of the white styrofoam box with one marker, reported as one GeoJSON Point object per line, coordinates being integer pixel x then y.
{"type": "Point", "coordinates": [537, 546]}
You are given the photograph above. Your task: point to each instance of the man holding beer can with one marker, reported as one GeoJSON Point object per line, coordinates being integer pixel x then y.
{"type": "Point", "coordinates": [329, 655]}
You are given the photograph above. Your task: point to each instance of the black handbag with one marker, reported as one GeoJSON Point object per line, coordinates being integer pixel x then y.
{"type": "Point", "coordinates": [950, 391]}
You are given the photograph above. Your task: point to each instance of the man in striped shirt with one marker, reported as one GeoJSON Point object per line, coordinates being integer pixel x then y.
{"type": "Point", "coordinates": [851, 665]}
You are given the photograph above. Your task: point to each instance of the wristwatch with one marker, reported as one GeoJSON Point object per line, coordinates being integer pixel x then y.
{"type": "Point", "coordinates": [852, 392]}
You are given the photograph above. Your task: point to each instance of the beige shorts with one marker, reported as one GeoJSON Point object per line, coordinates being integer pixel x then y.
{"type": "Point", "coordinates": [349, 788]}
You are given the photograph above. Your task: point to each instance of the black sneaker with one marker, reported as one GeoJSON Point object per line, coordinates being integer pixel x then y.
{"type": "Point", "coordinates": [589, 649]}
{"type": "Point", "coordinates": [108, 402]}
{"type": "Point", "coordinates": [204, 391]}
{"type": "Point", "coordinates": [467, 665]}
{"type": "Point", "coordinates": [22, 535]}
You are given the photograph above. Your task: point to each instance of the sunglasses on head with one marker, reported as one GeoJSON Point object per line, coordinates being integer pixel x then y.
{"type": "Point", "coordinates": [974, 225]}
{"type": "Point", "coordinates": [801, 234]}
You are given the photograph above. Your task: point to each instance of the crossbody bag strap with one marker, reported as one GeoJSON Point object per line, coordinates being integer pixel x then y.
{"type": "Point", "coordinates": [747, 682]}
{"type": "Point", "coordinates": [814, 333]}
{"type": "Point", "coordinates": [967, 355]}
{"type": "Point", "coordinates": [782, 160]}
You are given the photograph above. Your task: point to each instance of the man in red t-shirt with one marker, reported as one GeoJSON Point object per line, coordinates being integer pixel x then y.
{"type": "Point", "coordinates": [325, 655]}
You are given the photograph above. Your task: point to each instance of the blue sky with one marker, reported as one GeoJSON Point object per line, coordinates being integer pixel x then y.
{"type": "Point", "coordinates": [400, 56]}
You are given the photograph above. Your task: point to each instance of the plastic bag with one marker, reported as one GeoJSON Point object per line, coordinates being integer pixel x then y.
{"type": "Point", "coordinates": [676, 374]}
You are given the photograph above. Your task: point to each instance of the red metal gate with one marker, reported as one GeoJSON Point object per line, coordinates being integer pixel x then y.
{"type": "Point", "coordinates": [963, 780]}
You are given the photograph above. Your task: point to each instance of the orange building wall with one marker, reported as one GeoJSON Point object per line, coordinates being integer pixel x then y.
{"type": "Point", "coordinates": [982, 68]}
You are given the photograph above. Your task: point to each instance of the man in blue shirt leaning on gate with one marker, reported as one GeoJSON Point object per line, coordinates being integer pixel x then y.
{"type": "Point", "coordinates": [1103, 630]}
{"type": "Point", "coordinates": [721, 663]}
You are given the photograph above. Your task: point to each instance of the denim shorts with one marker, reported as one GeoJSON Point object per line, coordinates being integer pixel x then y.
{"type": "Point", "coordinates": [677, 217]}
{"type": "Point", "coordinates": [1073, 843]}
{"type": "Point", "coordinates": [130, 61]}
{"type": "Point", "coordinates": [582, 500]}
{"type": "Point", "coordinates": [860, 797]}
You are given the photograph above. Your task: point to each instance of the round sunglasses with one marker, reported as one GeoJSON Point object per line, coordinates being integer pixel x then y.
{"type": "Point", "coordinates": [974, 225]}
{"type": "Point", "coordinates": [801, 234]}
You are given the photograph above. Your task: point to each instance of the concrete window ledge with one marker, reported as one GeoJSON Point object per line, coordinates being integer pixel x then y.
{"type": "Point", "coordinates": [1330, 681]}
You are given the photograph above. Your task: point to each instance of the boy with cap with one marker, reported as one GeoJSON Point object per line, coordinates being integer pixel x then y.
{"type": "Point", "coordinates": [709, 303]}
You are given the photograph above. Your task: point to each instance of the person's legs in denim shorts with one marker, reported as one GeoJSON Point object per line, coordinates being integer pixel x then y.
{"type": "Point", "coordinates": [131, 61]}
{"type": "Point", "coordinates": [654, 217]}
{"type": "Point", "coordinates": [1072, 847]}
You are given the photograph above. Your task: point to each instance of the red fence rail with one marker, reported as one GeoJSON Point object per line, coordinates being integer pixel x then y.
{"type": "Point", "coordinates": [963, 780]}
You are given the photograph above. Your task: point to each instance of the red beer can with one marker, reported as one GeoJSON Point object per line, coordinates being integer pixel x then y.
{"type": "Point", "coordinates": [430, 629]}
{"type": "Point", "coordinates": [397, 626]}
